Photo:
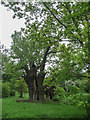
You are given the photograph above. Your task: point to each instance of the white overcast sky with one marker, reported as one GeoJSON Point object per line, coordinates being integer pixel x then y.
{"type": "Point", "coordinates": [8, 25]}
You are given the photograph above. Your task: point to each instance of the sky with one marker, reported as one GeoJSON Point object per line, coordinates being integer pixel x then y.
{"type": "Point", "coordinates": [8, 25]}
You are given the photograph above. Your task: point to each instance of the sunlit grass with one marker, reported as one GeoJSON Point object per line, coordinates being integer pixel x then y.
{"type": "Point", "coordinates": [13, 109]}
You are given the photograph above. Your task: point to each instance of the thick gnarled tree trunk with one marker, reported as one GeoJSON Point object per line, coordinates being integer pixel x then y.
{"type": "Point", "coordinates": [34, 82]}
{"type": "Point", "coordinates": [30, 79]}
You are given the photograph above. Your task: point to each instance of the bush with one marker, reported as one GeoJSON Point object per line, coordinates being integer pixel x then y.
{"type": "Point", "coordinates": [71, 100]}
{"type": "Point", "coordinates": [60, 91]}
{"type": "Point", "coordinates": [77, 99]}
{"type": "Point", "coordinates": [59, 94]}
{"type": "Point", "coordinates": [5, 89]}
{"type": "Point", "coordinates": [56, 98]}
{"type": "Point", "coordinates": [81, 104]}
{"type": "Point", "coordinates": [74, 89]}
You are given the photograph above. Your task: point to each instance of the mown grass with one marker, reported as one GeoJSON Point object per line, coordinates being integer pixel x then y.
{"type": "Point", "coordinates": [13, 109]}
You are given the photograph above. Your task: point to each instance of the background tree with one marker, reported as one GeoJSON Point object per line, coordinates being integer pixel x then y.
{"type": "Point", "coordinates": [21, 87]}
{"type": "Point", "coordinates": [10, 72]}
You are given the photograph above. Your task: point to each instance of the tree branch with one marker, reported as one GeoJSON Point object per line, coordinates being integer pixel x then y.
{"type": "Point", "coordinates": [42, 65]}
{"type": "Point", "coordinates": [73, 22]}
{"type": "Point", "coordinates": [26, 68]}
{"type": "Point", "coordinates": [52, 52]}
{"type": "Point", "coordinates": [54, 15]}
{"type": "Point", "coordinates": [80, 76]}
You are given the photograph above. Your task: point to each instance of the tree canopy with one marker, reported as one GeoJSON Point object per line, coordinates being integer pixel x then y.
{"type": "Point", "coordinates": [48, 24]}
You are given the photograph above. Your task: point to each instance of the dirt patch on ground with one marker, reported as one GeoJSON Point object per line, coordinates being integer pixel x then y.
{"type": "Point", "coordinates": [20, 100]}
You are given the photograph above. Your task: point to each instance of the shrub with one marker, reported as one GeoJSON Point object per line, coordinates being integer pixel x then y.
{"type": "Point", "coordinates": [60, 91]}
{"type": "Point", "coordinates": [56, 98]}
{"type": "Point", "coordinates": [77, 99]}
{"type": "Point", "coordinates": [5, 89]}
{"type": "Point", "coordinates": [74, 89]}
{"type": "Point", "coordinates": [81, 104]}
{"type": "Point", "coordinates": [71, 100]}
{"type": "Point", "coordinates": [69, 84]}
{"type": "Point", "coordinates": [59, 94]}
{"type": "Point", "coordinates": [84, 97]}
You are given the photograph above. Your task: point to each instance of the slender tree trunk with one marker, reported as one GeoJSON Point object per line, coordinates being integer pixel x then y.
{"type": "Point", "coordinates": [47, 95]}
{"type": "Point", "coordinates": [21, 94]}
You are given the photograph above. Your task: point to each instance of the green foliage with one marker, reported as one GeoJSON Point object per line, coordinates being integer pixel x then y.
{"type": "Point", "coordinates": [84, 85]}
{"type": "Point", "coordinates": [21, 85]}
{"type": "Point", "coordinates": [12, 87]}
{"type": "Point", "coordinates": [56, 98]}
{"type": "Point", "coordinates": [60, 91]}
{"type": "Point", "coordinates": [6, 77]}
{"type": "Point", "coordinates": [80, 100]}
{"type": "Point", "coordinates": [70, 100]}
{"type": "Point", "coordinates": [49, 81]}
{"type": "Point", "coordinates": [81, 104]}
{"type": "Point", "coordinates": [74, 89]}
{"type": "Point", "coordinates": [47, 24]}
{"type": "Point", "coordinates": [5, 89]}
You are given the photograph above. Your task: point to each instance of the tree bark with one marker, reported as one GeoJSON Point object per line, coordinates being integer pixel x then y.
{"type": "Point", "coordinates": [30, 93]}
{"type": "Point", "coordinates": [40, 86]}
{"type": "Point", "coordinates": [41, 76]}
{"type": "Point", "coordinates": [37, 91]}
{"type": "Point", "coordinates": [26, 77]}
{"type": "Point", "coordinates": [33, 77]}
{"type": "Point", "coordinates": [30, 79]}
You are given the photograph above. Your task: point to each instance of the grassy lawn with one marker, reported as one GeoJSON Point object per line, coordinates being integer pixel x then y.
{"type": "Point", "coordinates": [13, 109]}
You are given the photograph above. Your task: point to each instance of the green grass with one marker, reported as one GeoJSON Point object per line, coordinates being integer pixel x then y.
{"type": "Point", "coordinates": [13, 109]}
